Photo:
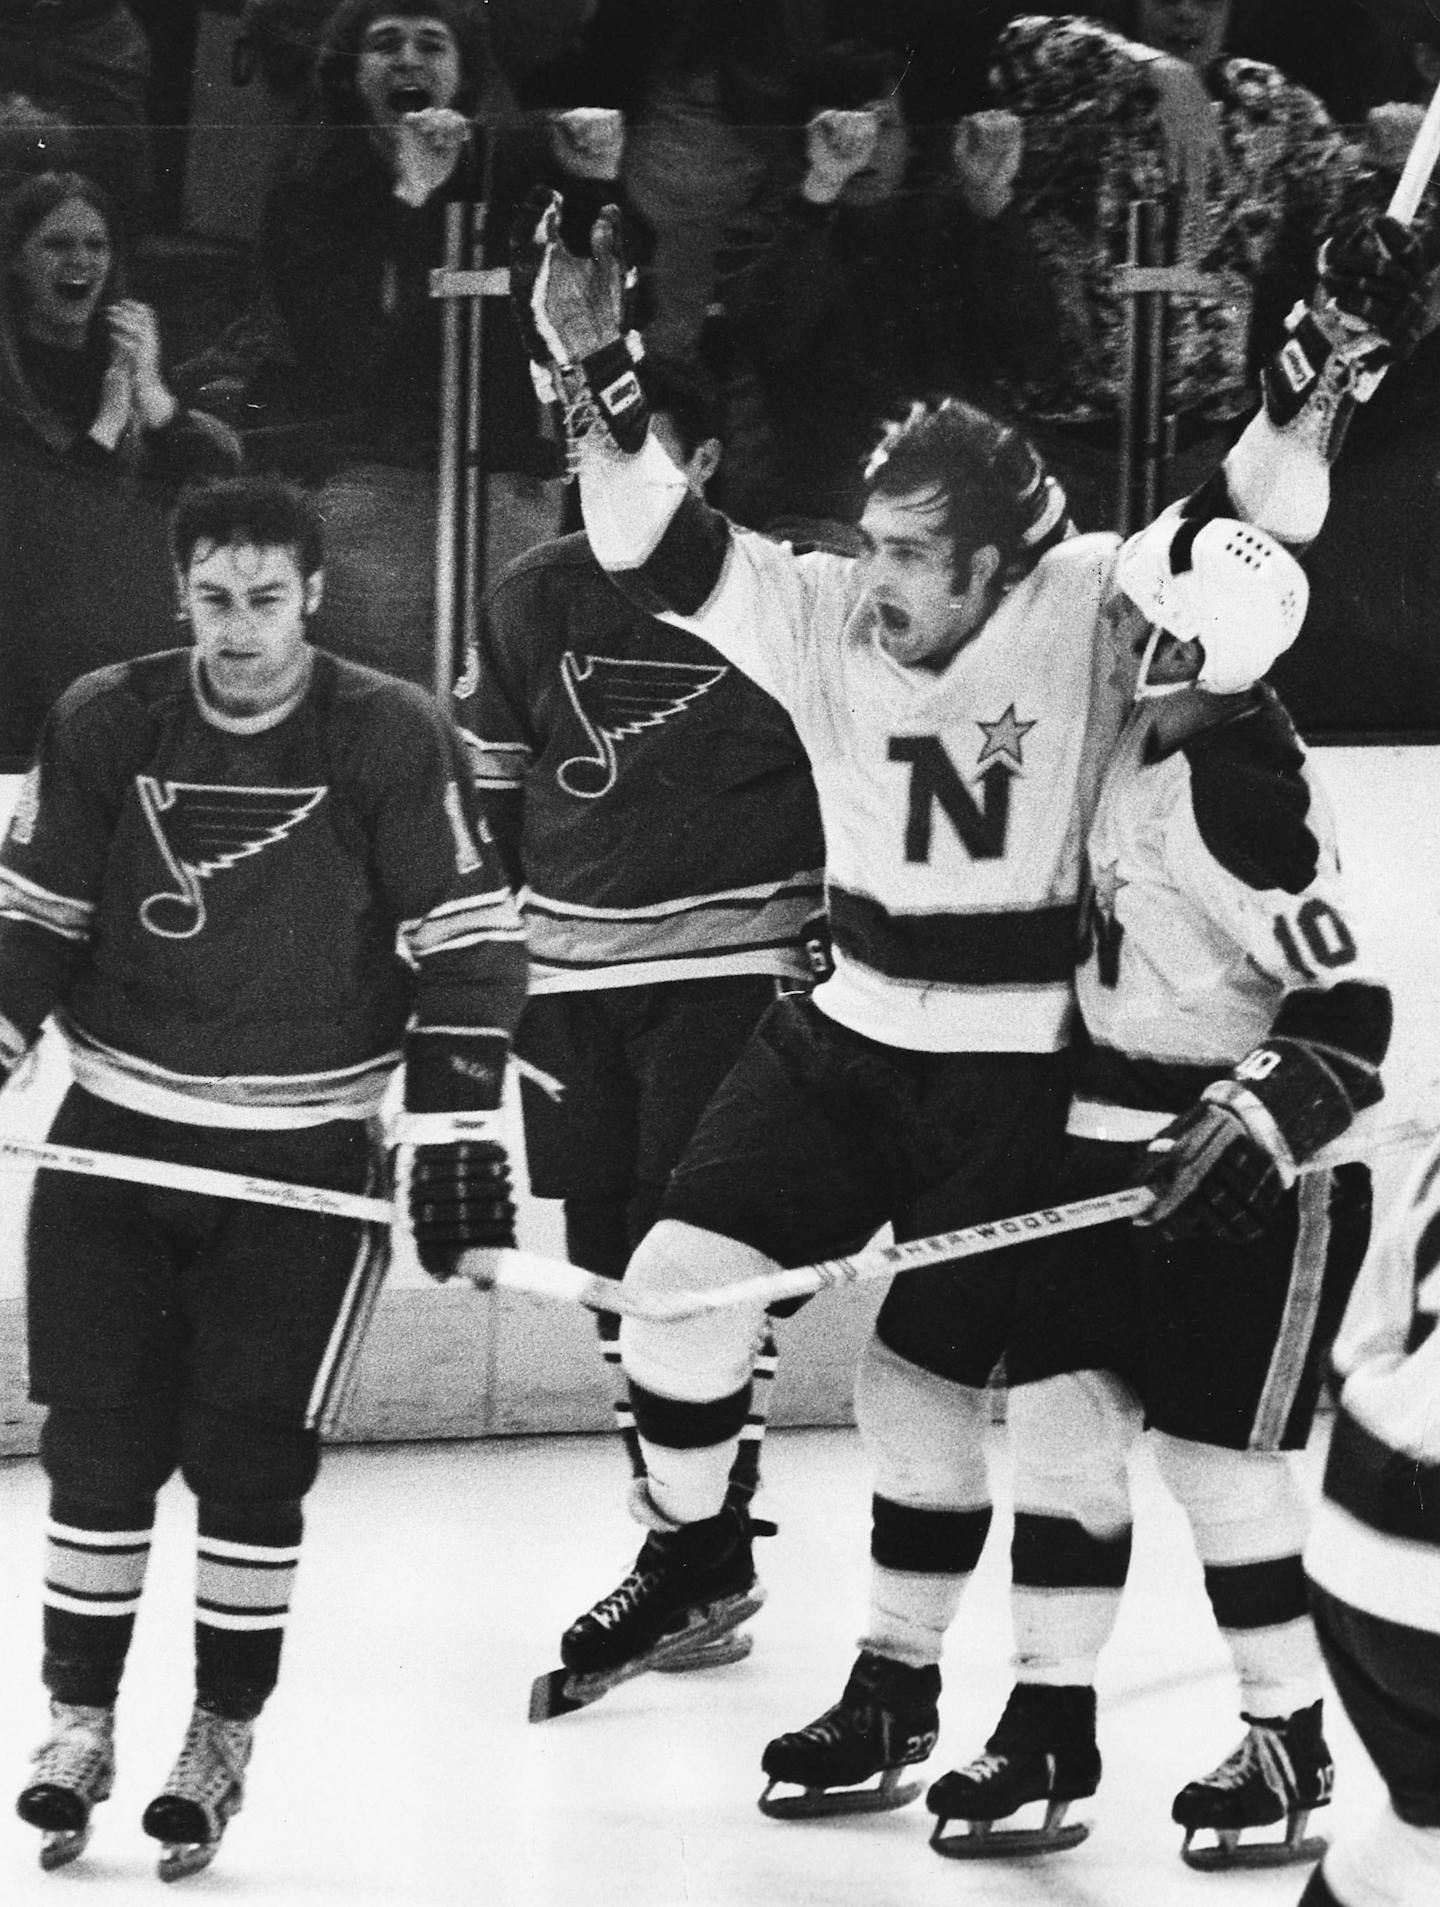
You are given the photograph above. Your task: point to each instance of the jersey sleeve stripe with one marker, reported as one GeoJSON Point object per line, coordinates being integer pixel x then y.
{"type": "Point", "coordinates": [27, 901]}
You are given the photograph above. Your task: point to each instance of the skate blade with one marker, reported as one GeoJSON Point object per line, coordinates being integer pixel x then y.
{"type": "Point", "coordinates": [61, 1846]}
{"type": "Point", "coordinates": [1230, 1851]}
{"type": "Point", "coordinates": [982, 1841]}
{"type": "Point", "coordinates": [710, 1655]}
{"type": "Point", "coordinates": [180, 1859]}
{"type": "Point", "coordinates": [813, 1804]}
{"type": "Point", "coordinates": [563, 1691]}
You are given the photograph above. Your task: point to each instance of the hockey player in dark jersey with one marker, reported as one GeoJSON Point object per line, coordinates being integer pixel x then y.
{"type": "Point", "coordinates": [1373, 1558]}
{"type": "Point", "coordinates": [248, 881]}
{"type": "Point", "coordinates": [957, 690]}
{"type": "Point", "coordinates": [1223, 979]}
{"type": "Point", "coordinates": [655, 813]}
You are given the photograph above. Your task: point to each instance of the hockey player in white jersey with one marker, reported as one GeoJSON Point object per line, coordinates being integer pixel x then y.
{"type": "Point", "coordinates": [1373, 1558]}
{"type": "Point", "coordinates": [958, 689]}
{"type": "Point", "coordinates": [1223, 980]}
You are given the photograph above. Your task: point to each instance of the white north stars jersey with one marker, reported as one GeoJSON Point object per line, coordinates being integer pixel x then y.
{"type": "Point", "coordinates": [1214, 893]}
{"type": "Point", "coordinates": [954, 805]}
{"type": "Point", "coordinates": [1376, 1537]}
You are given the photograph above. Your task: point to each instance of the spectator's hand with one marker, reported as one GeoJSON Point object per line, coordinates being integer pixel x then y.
{"type": "Point", "coordinates": [589, 142]}
{"type": "Point", "coordinates": [117, 397]}
{"type": "Point", "coordinates": [837, 146]}
{"type": "Point", "coordinates": [1193, 151]}
{"type": "Point", "coordinates": [1390, 132]}
{"type": "Point", "coordinates": [427, 149]}
{"type": "Point", "coordinates": [986, 151]}
{"type": "Point", "coordinates": [136, 338]}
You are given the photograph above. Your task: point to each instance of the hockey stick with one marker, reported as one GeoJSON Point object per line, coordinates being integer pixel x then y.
{"type": "Point", "coordinates": [553, 1278]}
{"type": "Point", "coordinates": [1419, 164]}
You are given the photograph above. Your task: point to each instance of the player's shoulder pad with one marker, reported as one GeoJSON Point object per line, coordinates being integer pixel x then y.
{"type": "Point", "coordinates": [1251, 800]}
{"type": "Point", "coordinates": [385, 711]}
{"type": "Point", "coordinates": [122, 690]}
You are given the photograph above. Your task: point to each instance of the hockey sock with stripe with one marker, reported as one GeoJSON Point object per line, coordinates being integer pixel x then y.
{"type": "Point", "coordinates": [95, 1560]}
{"type": "Point", "coordinates": [921, 1560]}
{"type": "Point", "coordinates": [1066, 1584]}
{"type": "Point", "coordinates": [246, 1558]}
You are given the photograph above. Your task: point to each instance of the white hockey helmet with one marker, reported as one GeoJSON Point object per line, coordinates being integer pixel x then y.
{"type": "Point", "coordinates": [1219, 582]}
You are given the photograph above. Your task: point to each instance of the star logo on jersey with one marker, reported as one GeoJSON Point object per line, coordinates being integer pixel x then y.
{"type": "Point", "coordinates": [614, 699]}
{"type": "Point", "coordinates": [201, 828]}
{"type": "Point", "coordinates": [1003, 739]}
{"type": "Point", "coordinates": [1102, 931]}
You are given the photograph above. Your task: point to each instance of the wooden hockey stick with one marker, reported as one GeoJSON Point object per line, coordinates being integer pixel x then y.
{"type": "Point", "coordinates": [554, 1279]}
{"type": "Point", "coordinates": [1419, 164]}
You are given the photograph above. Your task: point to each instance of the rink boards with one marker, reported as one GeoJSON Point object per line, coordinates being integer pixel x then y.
{"type": "Point", "coordinates": [454, 1363]}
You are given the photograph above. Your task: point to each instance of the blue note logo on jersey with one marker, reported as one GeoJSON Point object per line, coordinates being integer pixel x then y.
{"type": "Point", "coordinates": [935, 782]}
{"type": "Point", "coordinates": [201, 828]}
{"type": "Point", "coordinates": [615, 698]}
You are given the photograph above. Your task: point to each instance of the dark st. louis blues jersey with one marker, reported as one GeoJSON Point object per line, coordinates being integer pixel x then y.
{"type": "Point", "coordinates": [659, 806]}
{"type": "Point", "coordinates": [234, 920]}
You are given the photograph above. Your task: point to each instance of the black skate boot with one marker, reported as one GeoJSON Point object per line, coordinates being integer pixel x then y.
{"type": "Point", "coordinates": [736, 1644]}
{"type": "Point", "coordinates": [206, 1787]}
{"type": "Point", "coordinates": [886, 1720]}
{"type": "Point", "coordinates": [1043, 1749]}
{"type": "Point", "coordinates": [74, 1771]}
{"type": "Point", "coordinates": [1279, 1772]}
{"type": "Point", "coordinates": [688, 1587]}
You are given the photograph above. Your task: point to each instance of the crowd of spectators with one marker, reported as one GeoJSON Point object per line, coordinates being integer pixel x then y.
{"type": "Point", "coordinates": [838, 205]}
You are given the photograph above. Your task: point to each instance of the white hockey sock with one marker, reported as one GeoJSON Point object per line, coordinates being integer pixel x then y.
{"type": "Point", "coordinates": [1391, 1865]}
{"type": "Point", "coordinates": [910, 1614]}
{"type": "Point", "coordinates": [688, 1485]}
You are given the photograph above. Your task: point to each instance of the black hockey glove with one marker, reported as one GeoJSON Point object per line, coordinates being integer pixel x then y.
{"type": "Point", "coordinates": [1209, 1176]}
{"type": "Point", "coordinates": [454, 1173]}
{"type": "Point", "coordinates": [1376, 272]}
{"type": "Point", "coordinates": [459, 1198]}
{"type": "Point", "coordinates": [1368, 309]}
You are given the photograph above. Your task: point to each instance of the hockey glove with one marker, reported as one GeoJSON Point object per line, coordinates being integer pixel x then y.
{"type": "Point", "coordinates": [1368, 310]}
{"type": "Point", "coordinates": [453, 1170]}
{"type": "Point", "coordinates": [459, 1198]}
{"type": "Point", "coordinates": [1376, 273]}
{"type": "Point", "coordinates": [572, 314]}
{"type": "Point", "coordinates": [1209, 1176]}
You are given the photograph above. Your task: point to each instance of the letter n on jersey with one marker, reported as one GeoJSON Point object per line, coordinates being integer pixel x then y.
{"type": "Point", "coordinates": [935, 782]}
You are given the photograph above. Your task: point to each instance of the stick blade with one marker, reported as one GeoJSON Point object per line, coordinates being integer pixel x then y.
{"type": "Point", "coordinates": [553, 1694]}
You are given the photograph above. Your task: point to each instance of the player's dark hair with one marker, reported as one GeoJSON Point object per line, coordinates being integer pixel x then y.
{"type": "Point", "coordinates": [992, 480]}
{"type": "Point", "coordinates": [339, 55]}
{"type": "Point", "coordinates": [258, 512]}
{"type": "Point", "coordinates": [686, 397]}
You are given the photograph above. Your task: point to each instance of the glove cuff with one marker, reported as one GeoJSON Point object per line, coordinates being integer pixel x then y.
{"type": "Point", "coordinates": [445, 1128]}
{"type": "Point", "coordinates": [1305, 1102]}
{"type": "Point", "coordinates": [451, 1069]}
{"type": "Point", "coordinates": [1258, 1121]}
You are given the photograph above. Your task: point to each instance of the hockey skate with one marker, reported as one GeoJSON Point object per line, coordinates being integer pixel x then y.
{"type": "Point", "coordinates": [1043, 1749]}
{"type": "Point", "coordinates": [74, 1771]}
{"type": "Point", "coordinates": [689, 1588]}
{"type": "Point", "coordinates": [206, 1787]}
{"type": "Point", "coordinates": [885, 1722]}
{"type": "Point", "coordinates": [1279, 1772]}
